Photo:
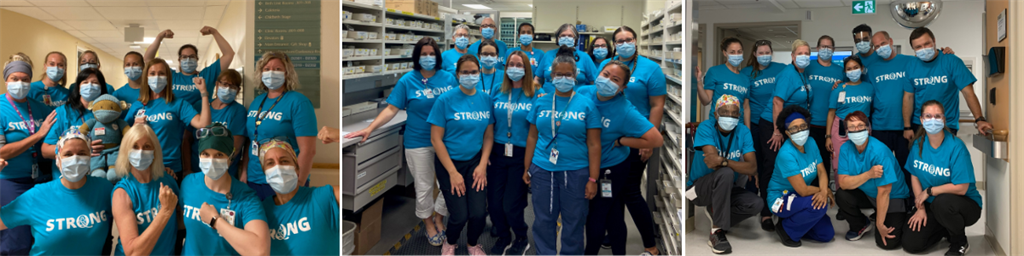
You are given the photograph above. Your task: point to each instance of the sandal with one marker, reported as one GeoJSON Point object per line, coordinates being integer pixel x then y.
{"type": "Point", "coordinates": [435, 240]}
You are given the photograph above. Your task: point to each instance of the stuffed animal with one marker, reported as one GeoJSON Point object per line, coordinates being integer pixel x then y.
{"type": "Point", "coordinates": [108, 127]}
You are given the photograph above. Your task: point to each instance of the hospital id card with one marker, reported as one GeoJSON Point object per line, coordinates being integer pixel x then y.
{"type": "Point", "coordinates": [606, 188]}
{"type": "Point", "coordinates": [228, 215]}
{"type": "Point", "coordinates": [553, 158]}
{"type": "Point", "coordinates": [508, 149]}
{"type": "Point", "coordinates": [842, 97]}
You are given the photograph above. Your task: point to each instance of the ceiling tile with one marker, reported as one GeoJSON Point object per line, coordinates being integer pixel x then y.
{"type": "Point", "coordinates": [788, 4]}
{"type": "Point", "coordinates": [818, 3]}
{"type": "Point", "coordinates": [90, 24]}
{"type": "Point", "coordinates": [33, 12]}
{"type": "Point", "coordinates": [116, 3]}
{"type": "Point", "coordinates": [747, 6]}
{"type": "Point", "coordinates": [15, 3]}
{"type": "Point", "coordinates": [214, 12]}
{"type": "Point", "coordinates": [103, 34]}
{"type": "Point", "coordinates": [177, 13]}
{"type": "Point", "coordinates": [116, 45]}
{"type": "Point", "coordinates": [77, 34]}
{"type": "Point", "coordinates": [64, 3]}
{"type": "Point", "coordinates": [177, 3]}
{"type": "Point", "coordinates": [147, 24]}
{"type": "Point", "coordinates": [108, 40]}
{"type": "Point", "coordinates": [60, 24]}
{"type": "Point", "coordinates": [180, 27]}
{"type": "Point", "coordinates": [73, 13]}
{"type": "Point", "coordinates": [125, 13]}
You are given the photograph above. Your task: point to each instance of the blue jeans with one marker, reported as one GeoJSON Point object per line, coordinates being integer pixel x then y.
{"type": "Point", "coordinates": [16, 240]}
{"type": "Point", "coordinates": [800, 220]}
{"type": "Point", "coordinates": [559, 193]}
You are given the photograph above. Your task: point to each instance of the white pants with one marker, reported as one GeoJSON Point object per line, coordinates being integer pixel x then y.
{"type": "Point", "coordinates": [421, 164]}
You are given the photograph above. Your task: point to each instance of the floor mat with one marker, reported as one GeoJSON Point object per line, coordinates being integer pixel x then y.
{"type": "Point", "coordinates": [415, 243]}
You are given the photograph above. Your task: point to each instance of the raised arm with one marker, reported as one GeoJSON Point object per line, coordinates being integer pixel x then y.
{"type": "Point", "coordinates": [133, 242]}
{"type": "Point", "coordinates": [155, 46]}
{"type": "Point", "coordinates": [203, 119]}
{"type": "Point", "coordinates": [227, 54]}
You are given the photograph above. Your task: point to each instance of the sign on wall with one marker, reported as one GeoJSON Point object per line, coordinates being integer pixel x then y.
{"type": "Point", "coordinates": [292, 27]}
{"type": "Point", "coordinates": [863, 7]}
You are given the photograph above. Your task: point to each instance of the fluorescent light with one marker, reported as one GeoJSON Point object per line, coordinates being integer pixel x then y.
{"type": "Point", "coordinates": [477, 6]}
{"type": "Point", "coordinates": [170, 62]}
{"type": "Point", "coordinates": [135, 46]}
{"type": "Point", "coordinates": [531, 5]}
{"type": "Point", "coordinates": [146, 40]}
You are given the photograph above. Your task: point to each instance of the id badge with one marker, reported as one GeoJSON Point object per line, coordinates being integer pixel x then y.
{"type": "Point", "coordinates": [228, 215]}
{"type": "Point", "coordinates": [777, 205]}
{"type": "Point", "coordinates": [842, 97]}
{"type": "Point", "coordinates": [255, 148]}
{"type": "Point", "coordinates": [46, 99]}
{"type": "Point", "coordinates": [508, 149]}
{"type": "Point", "coordinates": [100, 131]}
{"type": "Point", "coordinates": [35, 171]}
{"type": "Point", "coordinates": [429, 93]}
{"type": "Point", "coordinates": [140, 113]}
{"type": "Point", "coordinates": [553, 158]}
{"type": "Point", "coordinates": [606, 188]}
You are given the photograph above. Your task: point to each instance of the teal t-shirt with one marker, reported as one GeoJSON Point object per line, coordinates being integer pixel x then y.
{"type": "Point", "coordinates": [821, 79]}
{"type": "Point", "coordinates": [535, 57]}
{"type": "Point", "coordinates": [293, 117]}
{"type": "Point", "coordinates": [646, 80]}
{"type": "Point", "coordinates": [723, 81]}
{"type": "Point", "coordinates": [185, 89]}
{"type": "Point", "coordinates": [488, 82]}
{"type": "Point", "coordinates": [66, 118]}
{"type": "Point", "coordinates": [168, 120]}
{"type": "Point", "coordinates": [416, 96]}
{"type": "Point", "coordinates": [502, 50]}
{"type": "Point", "coordinates": [791, 162]}
{"type": "Point", "coordinates": [761, 89]}
{"type": "Point", "coordinates": [200, 238]}
{"type": "Point", "coordinates": [794, 89]}
{"type": "Point", "coordinates": [521, 106]}
{"type": "Point", "coordinates": [449, 60]}
{"type": "Point", "coordinates": [950, 163]}
{"type": "Point", "coordinates": [889, 78]}
{"type": "Point", "coordinates": [853, 162]}
{"type": "Point", "coordinates": [233, 117]}
{"type": "Point", "coordinates": [577, 114]}
{"type": "Point", "coordinates": [586, 72]}
{"type": "Point", "coordinates": [856, 98]}
{"type": "Point", "coordinates": [618, 119]}
{"type": "Point", "coordinates": [309, 224]}
{"type": "Point", "coordinates": [128, 94]}
{"type": "Point", "coordinates": [58, 95]}
{"type": "Point", "coordinates": [145, 198]}
{"type": "Point", "coordinates": [63, 221]}
{"type": "Point", "coordinates": [708, 134]}
{"type": "Point", "coordinates": [942, 79]}
{"type": "Point", "coordinates": [464, 119]}
{"type": "Point", "coordinates": [16, 129]}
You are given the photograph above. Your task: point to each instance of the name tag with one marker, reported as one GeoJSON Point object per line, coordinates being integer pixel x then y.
{"type": "Point", "coordinates": [553, 158]}
{"type": "Point", "coordinates": [100, 131]}
{"type": "Point", "coordinates": [429, 93]}
{"type": "Point", "coordinates": [228, 215]}
{"type": "Point", "coordinates": [842, 97]}
{"type": "Point", "coordinates": [508, 149]}
{"type": "Point", "coordinates": [606, 188]}
{"type": "Point", "coordinates": [255, 148]}
{"type": "Point", "coordinates": [46, 99]}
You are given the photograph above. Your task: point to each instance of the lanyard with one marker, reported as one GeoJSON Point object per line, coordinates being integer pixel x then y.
{"type": "Point", "coordinates": [728, 145]}
{"type": "Point", "coordinates": [509, 107]}
{"type": "Point", "coordinates": [493, 75]}
{"type": "Point", "coordinates": [31, 124]}
{"type": "Point", "coordinates": [558, 124]}
{"type": "Point", "coordinates": [806, 85]}
{"type": "Point", "coordinates": [260, 116]}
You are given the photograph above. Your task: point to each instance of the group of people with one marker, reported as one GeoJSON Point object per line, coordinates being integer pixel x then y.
{"type": "Point", "coordinates": [178, 170]}
{"type": "Point", "coordinates": [899, 113]}
{"type": "Point", "coordinates": [487, 123]}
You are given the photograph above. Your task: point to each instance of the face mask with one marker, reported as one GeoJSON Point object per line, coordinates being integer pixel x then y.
{"type": "Point", "coordinates": [133, 73]}
{"type": "Point", "coordinates": [563, 84]}
{"type": "Point", "coordinates": [515, 73]}
{"type": "Point", "coordinates": [226, 95]}
{"type": "Point", "coordinates": [601, 53]}
{"type": "Point", "coordinates": [605, 87]}
{"type": "Point", "coordinates": [764, 60]}
{"type": "Point", "coordinates": [157, 83]}
{"type": "Point", "coordinates": [18, 90]}
{"type": "Point", "coordinates": [189, 65]}
{"type": "Point", "coordinates": [853, 75]}
{"type": "Point", "coordinates": [469, 81]}
{"type": "Point", "coordinates": [825, 53]}
{"type": "Point", "coordinates": [802, 61]}
{"type": "Point", "coordinates": [273, 79]}
{"type": "Point", "coordinates": [933, 126]}
{"type": "Point", "coordinates": [54, 73]}
{"type": "Point", "coordinates": [213, 167]}
{"type": "Point", "coordinates": [140, 159]}
{"type": "Point", "coordinates": [736, 60]}
{"type": "Point", "coordinates": [461, 42]}
{"type": "Point", "coordinates": [858, 138]}
{"type": "Point", "coordinates": [728, 123]}
{"type": "Point", "coordinates": [566, 41]}
{"type": "Point", "coordinates": [863, 47]}
{"type": "Point", "coordinates": [87, 66]}
{"type": "Point", "coordinates": [800, 138]}
{"type": "Point", "coordinates": [525, 39]}
{"type": "Point", "coordinates": [488, 62]}
{"type": "Point", "coordinates": [488, 33]}
{"type": "Point", "coordinates": [428, 62]}
{"type": "Point", "coordinates": [625, 50]}
{"type": "Point", "coordinates": [282, 178]}
{"type": "Point", "coordinates": [885, 51]}
{"type": "Point", "coordinates": [74, 168]}
{"type": "Point", "coordinates": [89, 92]}
{"type": "Point", "coordinates": [926, 54]}
{"type": "Point", "coordinates": [106, 116]}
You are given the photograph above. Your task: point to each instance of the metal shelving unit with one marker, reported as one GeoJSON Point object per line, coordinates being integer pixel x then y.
{"type": "Point", "coordinates": [382, 27]}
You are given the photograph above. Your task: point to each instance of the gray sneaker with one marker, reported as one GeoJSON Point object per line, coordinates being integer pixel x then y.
{"type": "Point", "coordinates": [719, 244]}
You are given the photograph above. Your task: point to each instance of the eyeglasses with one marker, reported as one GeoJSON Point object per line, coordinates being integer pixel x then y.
{"type": "Point", "coordinates": [622, 41]}
{"type": "Point", "coordinates": [219, 131]}
{"type": "Point", "coordinates": [859, 128]}
{"type": "Point", "coordinates": [798, 128]}
{"type": "Point", "coordinates": [488, 26]}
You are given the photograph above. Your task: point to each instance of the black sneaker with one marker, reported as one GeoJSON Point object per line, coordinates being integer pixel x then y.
{"type": "Point", "coordinates": [501, 245]}
{"type": "Point", "coordinates": [607, 243]}
{"type": "Point", "coordinates": [785, 237]}
{"type": "Point", "coordinates": [767, 225]}
{"type": "Point", "coordinates": [519, 247]}
{"type": "Point", "coordinates": [719, 244]}
{"type": "Point", "coordinates": [958, 250]}
{"type": "Point", "coordinates": [873, 216]}
{"type": "Point", "coordinates": [494, 231]}
{"type": "Point", "coordinates": [854, 235]}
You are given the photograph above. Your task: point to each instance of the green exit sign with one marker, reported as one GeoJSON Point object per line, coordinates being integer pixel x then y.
{"type": "Point", "coordinates": [863, 7]}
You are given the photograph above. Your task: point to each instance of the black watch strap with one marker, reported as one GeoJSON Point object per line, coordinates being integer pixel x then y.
{"type": "Point", "coordinates": [907, 128]}
{"type": "Point", "coordinates": [980, 119]}
{"type": "Point", "coordinates": [213, 222]}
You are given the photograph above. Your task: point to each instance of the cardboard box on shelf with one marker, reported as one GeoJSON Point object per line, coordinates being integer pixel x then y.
{"type": "Point", "coordinates": [413, 6]}
{"type": "Point", "coordinates": [368, 231]}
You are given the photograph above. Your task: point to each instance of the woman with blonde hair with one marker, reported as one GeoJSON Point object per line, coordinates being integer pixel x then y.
{"type": "Point", "coordinates": [89, 59]}
{"type": "Point", "coordinates": [50, 89]}
{"type": "Point", "coordinates": [145, 200]}
{"type": "Point", "coordinates": [316, 208]}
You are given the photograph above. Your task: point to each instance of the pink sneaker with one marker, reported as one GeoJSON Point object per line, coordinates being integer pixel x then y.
{"type": "Point", "coordinates": [476, 251]}
{"type": "Point", "coordinates": [449, 249]}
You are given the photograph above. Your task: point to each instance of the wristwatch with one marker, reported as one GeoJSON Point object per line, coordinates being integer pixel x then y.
{"type": "Point", "coordinates": [979, 119]}
{"type": "Point", "coordinates": [725, 163]}
{"type": "Point", "coordinates": [213, 222]}
{"type": "Point", "coordinates": [929, 191]}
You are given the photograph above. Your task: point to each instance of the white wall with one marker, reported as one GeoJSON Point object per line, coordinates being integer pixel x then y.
{"type": "Point", "coordinates": [551, 14]}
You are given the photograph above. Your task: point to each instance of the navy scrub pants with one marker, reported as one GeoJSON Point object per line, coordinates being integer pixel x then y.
{"type": "Point", "coordinates": [558, 193]}
{"type": "Point", "coordinates": [469, 208]}
{"type": "Point", "coordinates": [800, 220]}
{"type": "Point", "coordinates": [506, 192]}
{"type": "Point", "coordinates": [16, 240]}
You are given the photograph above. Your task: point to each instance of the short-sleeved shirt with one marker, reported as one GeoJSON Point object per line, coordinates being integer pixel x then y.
{"type": "Point", "coordinates": [417, 98]}
{"type": "Point", "coordinates": [233, 117]}
{"type": "Point", "coordinates": [464, 119]}
{"type": "Point", "coordinates": [58, 94]}
{"type": "Point", "coordinates": [293, 117]}
{"type": "Point", "coordinates": [521, 106]}
{"type": "Point", "coordinates": [502, 50]}
{"type": "Point", "coordinates": [577, 114]}
{"type": "Point", "coordinates": [791, 162]}
{"type": "Point", "coordinates": [950, 163]}
{"type": "Point", "coordinates": [618, 119]}
{"type": "Point", "coordinates": [185, 89]}
{"type": "Point", "coordinates": [723, 81]}
{"type": "Point", "coordinates": [128, 94]}
{"type": "Point", "coordinates": [200, 238]}
{"type": "Point", "coordinates": [941, 79]}
{"type": "Point", "coordinates": [490, 81]}
{"type": "Point", "coordinates": [852, 162]}
{"type": "Point", "coordinates": [856, 98]}
{"type": "Point", "coordinates": [535, 56]}
{"type": "Point", "coordinates": [309, 224]}
{"type": "Point", "coordinates": [586, 72]}
{"type": "Point", "coordinates": [793, 88]}
{"type": "Point", "coordinates": [870, 60]}
{"type": "Point", "coordinates": [708, 134]}
{"type": "Point", "coordinates": [645, 80]}
{"type": "Point", "coordinates": [449, 60]}
{"type": "Point", "coordinates": [16, 129]}
{"type": "Point", "coordinates": [66, 118]}
{"type": "Point", "coordinates": [63, 221]}
{"type": "Point", "coordinates": [145, 199]}
{"type": "Point", "coordinates": [821, 79]}
{"type": "Point", "coordinates": [168, 120]}
{"type": "Point", "coordinates": [889, 78]}
{"type": "Point", "coordinates": [761, 89]}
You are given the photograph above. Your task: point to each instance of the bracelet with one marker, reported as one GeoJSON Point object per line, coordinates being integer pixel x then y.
{"type": "Point", "coordinates": [591, 179]}
{"type": "Point", "coordinates": [907, 128]}
{"type": "Point", "coordinates": [980, 119]}
{"type": "Point", "coordinates": [213, 223]}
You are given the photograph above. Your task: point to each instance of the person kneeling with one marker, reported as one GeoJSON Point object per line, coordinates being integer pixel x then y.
{"type": "Point", "coordinates": [800, 206]}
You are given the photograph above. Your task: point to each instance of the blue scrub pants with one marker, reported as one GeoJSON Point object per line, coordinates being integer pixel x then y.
{"type": "Point", "coordinates": [801, 220]}
{"type": "Point", "coordinates": [16, 240]}
{"type": "Point", "coordinates": [559, 193]}
{"type": "Point", "coordinates": [506, 192]}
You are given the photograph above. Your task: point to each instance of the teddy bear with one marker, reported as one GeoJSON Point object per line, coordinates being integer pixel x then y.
{"type": "Point", "coordinates": [108, 127]}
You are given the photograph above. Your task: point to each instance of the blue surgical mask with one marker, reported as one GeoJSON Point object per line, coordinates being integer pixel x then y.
{"type": "Point", "coordinates": [825, 53]}
{"type": "Point", "coordinates": [469, 81]}
{"type": "Point", "coordinates": [74, 168]}
{"type": "Point", "coordinates": [140, 159]}
{"type": "Point", "coordinates": [735, 60]}
{"type": "Point", "coordinates": [933, 125]}
{"type": "Point", "coordinates": [157, 83]}
{"type": "Point", "coordinates": [884, 51]}
{"type": "Point", "coordinates": [428, 62]}
{"type": "Point", "coordinates": [764, 60]}
{"type": "Point", "coordinates": [625, 50]}
{"type": "Point", "coordinates": [605, 87]}
{"type": "Point", "coordinates": [282, 178]}
{"type": "Point", "coordinates": [106, 116]}
{"type": "Point", "coordinates": [926, 54]}
{"type": "Point", "coordinates": [563, 83]}
{"type": "Point", "coordinates": [18, 90]}
{"type": "Point", "coordinates": [800, 138]}
{"type": "Point", "coordinates": [273, 79]}
{"type": "Point", "coordinates": [461, 42]}
{"type": "Point", "coordinates": [525, 39]}
{"type": "Point", "coordinates": [802, 61]}
{"type": "Point", "coordinates": [863, 47]}
{"type": "Point", "coordinates": [87, 66]}
{"type": "Point", "coordinates": [54, 73]}
{"type": "Point", "coordinates": [515, 73]}
{"type": "Point", "coordinates": [853, 75]}
{"type": "Point", "coordinates": [601, 53]}
{"type": "Point", "coordinates": [488, 33]}
{"type": "Point", "coordinates": [728, 123]}
{"type": "Point", "coordinates": [567, 41]}
{"type": "Point", "coordinates": [188, 65]}
{"type": "Point", "coordinates": [858, 138]}
{"type": "Point", "coordinates": [488, 62]}
{"type": "Point", "coordinates": [226, 95]}
{"type": "Point", "coordinates": [89, 91]}
{"type": "Point", "coordinates": [133, 73]}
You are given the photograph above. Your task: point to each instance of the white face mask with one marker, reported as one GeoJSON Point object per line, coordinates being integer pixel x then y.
{"type": "Point", "coordinates": [141, 159]}
{"type": "Point", "coordinates": [214, 167]}
{"type": "Point", "coordinates": [282, 178]}
{"type": "Point", "coordinates": [74, 168]}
